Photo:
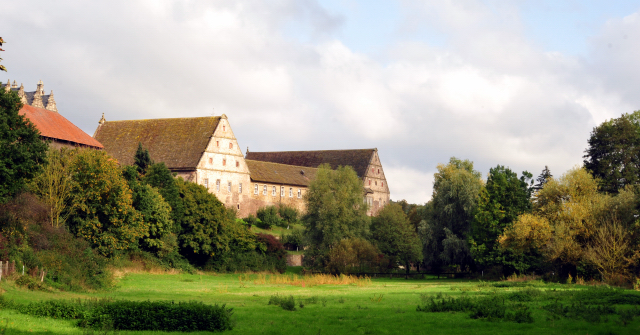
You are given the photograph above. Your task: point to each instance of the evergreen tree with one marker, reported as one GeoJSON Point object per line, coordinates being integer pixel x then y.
{"type": "Point", "coordinates": [542, 179]}
{"type": "Point", "coordinates": [22, 152]}
{"type": "Point", "coordinates": [142, 160]}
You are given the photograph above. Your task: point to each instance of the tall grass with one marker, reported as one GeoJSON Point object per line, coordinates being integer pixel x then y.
{"type": "Point", "coordinates": [305, 280]}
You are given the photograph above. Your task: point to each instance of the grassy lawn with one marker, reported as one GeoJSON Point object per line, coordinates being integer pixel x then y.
{"type": "Point", "coordinates": [275, 230]}
{"type": "Point", "coordinates": [378, 306]}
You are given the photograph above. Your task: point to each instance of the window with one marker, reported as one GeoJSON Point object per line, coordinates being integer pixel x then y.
{"type": "Point", "coordinates": [299, 193]}
{"type": "Point", "coordinates": [372, 170]}
{"type": "Point", "coordinates": [376, 183]}
{"type": "Point", "coordinates": [206, 183]}
{"type": "Point", "coordinates": [238, 206]}
{"type": "Point", "coordinates": [264, 190]}
{"type": "Point", "coordinates": [282, 191]}
{"type": "Point", "coordinates": [290, 192]}
{"type": "Point", "coordinates": [218, 185]}
{"type": "Point", "coordinates": [224, 162]}
{"type": "Point", "coordinates": [224, 128]}
{"type": "Point", "coordinates": [218, 144]}
{"type": "Point", "coordinates": [210, 160]}
{"type": "Point", "coordinates": [369, 182]}
{"type": "Point", "coordinates": [237, 164]}
{"type": "Point", "coordinates": [273, 191]}
{"type": "Point", "coordinates": [378, 171]}
{"type": "Point", "coordinates": [255, 189]}
{"type": "Point", "coordinates": [230, 145]}
{"type": "Point", "coordinates": [381, 183]}
{"type": "Point", "coordinates": [240, 188]}
{"type": "Point", "coordinates": [229, 187]}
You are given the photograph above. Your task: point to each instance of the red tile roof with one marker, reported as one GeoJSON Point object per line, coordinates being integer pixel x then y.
{"type": "Point", "coordinates": [55, 126]}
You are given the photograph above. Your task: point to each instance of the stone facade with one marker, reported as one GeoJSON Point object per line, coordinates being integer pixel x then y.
{"type": "Point", "coordinates": [36, 99]}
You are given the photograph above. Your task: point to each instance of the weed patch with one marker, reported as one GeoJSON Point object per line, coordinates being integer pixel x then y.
{"type": "Point", "coordinates": [287, 303]}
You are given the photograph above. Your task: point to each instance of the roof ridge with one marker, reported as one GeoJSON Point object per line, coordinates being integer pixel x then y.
{"type": "Point", "coordinates": [170, 118]}
{"type": "Point", "coordinates": [315, 150]}
{"type": "Point", "coordinates": [289, 165]}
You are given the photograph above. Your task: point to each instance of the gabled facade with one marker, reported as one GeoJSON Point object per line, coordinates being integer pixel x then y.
{"type": "Point", "coordinates": [205, 151]}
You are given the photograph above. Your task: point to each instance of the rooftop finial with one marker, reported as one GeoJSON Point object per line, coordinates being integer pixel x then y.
{"type": "Point", "coordinates": [14, 85]}
{"type": "Point", "coordinates": [8, 87]}
{"type": "Point", "coordinates": [40, 88]}
{"type": "Point", "coordinates": [102, 120]}
{"type": "Point", "coordinates": [51, 103]}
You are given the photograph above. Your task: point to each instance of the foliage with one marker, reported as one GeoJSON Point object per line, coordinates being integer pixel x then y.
{"type": "Point", "coordinates": [251, 220]}
{"type": "Point", "coordinates": [22, 152]}
{"type": "Point", "coordinates": [104, 213]}
{"type": "Point", "coordinates": [492, 308]}
{"type": "Point", "coordinates": [207, 227]}
{"type": "Point", "coordinates": [31, 283]}
{"type": "Point", "coordinates": [156, 214]}
{"type": "Point", "coordinates": [161, 316]}
{"type": "Point", "coordinates": [542, 179]}
{"type": "Point", "coordinates": [352, 255]}
{"type": "Point", "coordinates": [613, 155]}
{"type": "Point", "coordinates": [611, 250]}
{"type": "Point", "coordinates": [160, 177]}
{"type": "Point", "coordinates": [295, 238]}
{"type": "Point", "coordinates": [448, 215]}
{"type": "Point", "coordinates": [142, 160]}
{"type": "Point", "coordinates": [501, 201]}
{"type": "Point", "coordinates": [570, 218]}
{"type": "Point", "coordinates": [268, 217]}
{"type": "Point", "coordinates": [54, 185]}
{"type": "Point", "coordinates": [395, 236]}
{"type": "Point", "coordinates": [2, 68]}
{"type": "Point", "coordinates": [57, 309]}
{"type": "Point", "coordinates": [288, 214]}
{"type": "Point", "coordinates": [287, 303]}
{"type": "Point", "coordinates": [335, 211]}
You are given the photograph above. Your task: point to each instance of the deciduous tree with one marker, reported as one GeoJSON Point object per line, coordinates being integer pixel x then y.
{"type": "Point", "coordinates": [395, 236]}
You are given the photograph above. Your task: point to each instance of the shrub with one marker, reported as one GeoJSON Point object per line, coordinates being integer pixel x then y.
{"type": "Point", "coordinates": [268, 217]}
{"type": "Point", "coordinates": [287, 303]}
{"type": "Point", "coordinates": [31, 283]}
{"type": "Point", "coordinates": [252, 221]}
{"type": "Point", "coordinates": [160, 316]}
{"type": "Point", "coordinates": [57, 309]}
{"type": "Point", "coordinates": [294, 239]}
{"type": "Point", "coordinates": [288, 214]}
{"type": "Point", "coordinates": [352, 254]}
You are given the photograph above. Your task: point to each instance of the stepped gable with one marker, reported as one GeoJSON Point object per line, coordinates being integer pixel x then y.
{"type": "Point", "coordinates": [275, 173]}
{"type": "Point", "coordinates": [178, 142]}
{"type": "Point", "coordinates": [55, 126]}
{"type": "Point", "coordinates": [358, 159]}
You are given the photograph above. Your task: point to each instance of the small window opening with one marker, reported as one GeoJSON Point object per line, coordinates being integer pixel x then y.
{"type": "Point", "coordinates": [218, 185]}
{"type": "Point", "coordinates": [376, 183]}
{"type": "Point", "coordinates": [290, 192]}
{"type": "Point", "coordinates": [210, 160]}
{"type": "Point", "coordinates": [218, 144]}
{"type": "Point", "coordinates": [240, 188]}
{"type": "Point", "coordinates": [224, 128]}
{"type": "Point", "coordinates": [206, 183]}
{"type": "Point", "coordinates": [282, 191]}
{"type": "Point", "coordinates": [224, 161]}
{"type": "Point", "coordinates": [237, 164]}
{"type": "Point", "coordinates": [264, 190]}
{"type": "Point", "coordinates": [230, 145]}
{"type": "Point", "coordinates": [369, 182]}
{"type": "Point", "coordinates": [299, 193]}
{"type": "Point", "coordinates": [273, 191]}
{"type": "Point", "coordinates": [238, 206]}
{"type": "Point", "coordinates": [255, 189]}
{"type": "Point", "coordinates": [229, 187]}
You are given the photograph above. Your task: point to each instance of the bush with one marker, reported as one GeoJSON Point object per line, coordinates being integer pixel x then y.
{"type": "Point", "coordinates": [287, 303]}
{"type": "Point", "coordinates": [31, 283]}
{"type": "Point", "coordinates": [160, 316]}
{"type": "Point", "coordinates": [352, 255]}
{"type": "Point", "coordinates": [252, 221]}
{"type": "Point", "coordinates": [269, 217]}
{"type": "Point", "coordinates": [288, 214]}
{"type": "Point", "coordinates": [57, 309]}
{"type": "Point", "coordinates": [245, 262]}
{"type": "Point", "coordinates": [294, 239]}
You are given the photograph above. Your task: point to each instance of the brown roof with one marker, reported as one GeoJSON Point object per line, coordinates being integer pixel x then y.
{"type": "Point", "coordinates": [55, 126]}
{"type": "Point", "coordinates": [275, 173]}
{"type": "Point", "coordinates": [358, 159]}
{"type": "Point", "coordinates": [178, 142]}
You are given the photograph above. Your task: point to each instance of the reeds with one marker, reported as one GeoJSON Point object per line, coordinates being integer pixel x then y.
{"type": "Point", "coordinates": [305, 280]}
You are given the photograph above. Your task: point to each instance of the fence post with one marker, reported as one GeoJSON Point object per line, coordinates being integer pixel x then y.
{"type": "Point", "coordinates": [0, 270]}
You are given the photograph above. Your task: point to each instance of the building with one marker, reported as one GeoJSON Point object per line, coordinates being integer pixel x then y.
{"type": "Point", "coordinates": [365, 162]}
{"type": "Point", "coordinates": [205, 151]}
{"type": "Point", "coordinates": [42, 111]}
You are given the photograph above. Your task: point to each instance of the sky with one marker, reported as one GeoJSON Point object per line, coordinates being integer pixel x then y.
{"type": "Point", "coordinates": [518, 83]}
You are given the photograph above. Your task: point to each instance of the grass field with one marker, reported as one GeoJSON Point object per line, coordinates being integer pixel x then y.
{"type": "Point", "coordinates": [376, 306]}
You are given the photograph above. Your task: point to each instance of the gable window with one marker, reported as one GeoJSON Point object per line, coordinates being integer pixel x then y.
{"type": "Point", "coordinates": [372, 170]}
{"type": "Point", "coordinates": [282, 191]}
{"type": "Point", "coordinates": [381, 183]}
{"type": "Point", "coordinates": [273, 191]}
{"type": "Point", "coordinates": [255, 189]}
{"type": "Point", "coordinates": [290, 192]}
{"type": "Point", "coordinates": [218, 144]}
{"type": "Point", "coordinates": [237, 164]}
{"type": "Point", "coordinates": [369, 182]}
{"type": "Point", "coordinates": [210, 160]}
{"type": "Point", "coordinates": [224, 128]}
{"type": "Point", "coordinates": [206, 183]}
{"type": "Point", "coordinates": [230, 145]}
{"type": "Point", "coordinates": [218, 185]}
{"type": "Point", "coordinates": [240, 188]}
{"type": "Point", "coordinates": [376, 183]}
{"type": "Point", "coordinates": [224, 162]}
{"type": "Point", "coordinates": [264, 190]}
{"type": "Point", "coordinates": [378, 171]}
{"type": "Point", "coordinates": [229, 187]}
{"type": "Point", "coordinates": [299, 193]}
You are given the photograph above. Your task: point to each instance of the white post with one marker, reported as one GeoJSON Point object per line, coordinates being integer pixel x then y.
{"type": "Point", "coordinates": [0, 270]}
{"type": "Point", "coordinates": [23, 270]}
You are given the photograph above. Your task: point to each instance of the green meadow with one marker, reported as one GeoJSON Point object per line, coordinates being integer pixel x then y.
{"type": "Point", "coordinates": [375, 306]}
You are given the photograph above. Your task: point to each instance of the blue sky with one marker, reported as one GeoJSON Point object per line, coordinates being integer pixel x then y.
{"type": "Point", "coordinates": [512, 82]}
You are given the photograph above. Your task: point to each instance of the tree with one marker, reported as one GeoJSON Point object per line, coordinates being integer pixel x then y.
{"type": "Point", "coordinates": [335, 210]}
{"type": "Point", "coordinates": [103, 212]}
{"type": "Point", "coordinates": [352, 254]}
{"type": "Point", "coordinates": [160, 177]}
{"type": "Point", "coordinates": [2, 66]}
{"type": "Point", "coordinates": [501, 201]}
{"type": "Point", "coordinates": [22, 152]}
{"type": "Point", "coordinates": [613, 154]}
{"type": "Point", "coordinates": [142, 160]}
{"type": "Point", "coordinates": [449, 213]}
{"type": "Point", "coordinates": [204, 224]}
{"type": "Point", "coordinates": [542, 179]}
{"type": "Point", "coordinates": [395, 236]}
{"type": "Point", "coordinates": [156, 214]}
{"type": "Point", "coordinates": [54, 185]}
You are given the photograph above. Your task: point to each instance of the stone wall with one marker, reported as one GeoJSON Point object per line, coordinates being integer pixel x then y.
{"type": "Point", "coordinates": [295, 260]}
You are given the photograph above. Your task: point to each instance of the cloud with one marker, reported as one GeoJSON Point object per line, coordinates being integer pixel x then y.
{"type": "Point", "coordinates": [286, 81]}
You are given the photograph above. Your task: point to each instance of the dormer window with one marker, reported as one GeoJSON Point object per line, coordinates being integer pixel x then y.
{"type": "Point", "coordinates": [237, 164]}
{"type": "Point", "coordinates": [210, 160]}
{"type": "Point", "coordinates": [224, 128]}
{"type": "Point", "coordinates": [230, 145]}
{"type": "Point", "coordinates": [224, 162]}
{"type": "Point", "coordinates": [218, 144]}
